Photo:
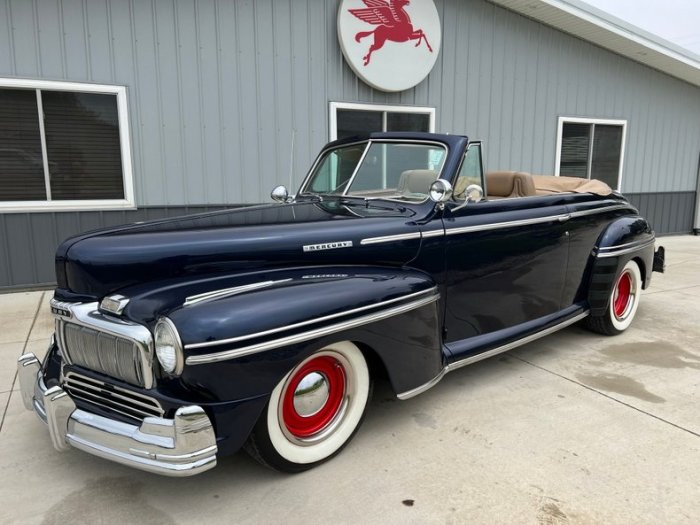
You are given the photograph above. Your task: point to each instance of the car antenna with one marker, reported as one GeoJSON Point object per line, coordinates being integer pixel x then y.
{"type": "Point", "coordinates": [291, 159]}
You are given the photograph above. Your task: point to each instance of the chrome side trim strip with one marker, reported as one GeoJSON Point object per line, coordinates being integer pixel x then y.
{"type": "Point", "coordinates": [595, 211]}
{"type": "Point", "coordinates": [623, 251]}
{"type": "Point", "coordinates": [626, 245]}
{"type": "Point", "coordinates": [508, 224]}
{"type": "Point", "coordinates": [433, 233]}
{"type": "Point", "coordinates": [207, 344]}
{"type": "Point", "coordinates": [422, 388]}
{"type": "Point", "coordinates": [225, 292]}
{"type": "Point", "coordinates": [486, 227]}
{"type": "Point", "coordinates": [391, 238]}
{"type": "Point", "coordinates": [311, 334]}
{"type": "Point", "coordinates": [479, 357]}
{"type": "Point", "coordinates": [515, 344]}
{"type": "Point", "coordinates": [538, 220]}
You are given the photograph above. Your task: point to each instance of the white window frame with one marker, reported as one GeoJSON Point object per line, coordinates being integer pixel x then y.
{"type": "Point", "coordinates": [601, 121]}
{"type": "Point", "coordinates": [124, 138]}
{"type": "Point", "coordinates": [380, 108]}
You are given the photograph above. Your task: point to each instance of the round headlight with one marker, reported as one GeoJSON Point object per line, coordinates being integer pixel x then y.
{"type": "Point", "coordinates": [440, 191]}
{"type": "Point", "coordinates": [168, 346]}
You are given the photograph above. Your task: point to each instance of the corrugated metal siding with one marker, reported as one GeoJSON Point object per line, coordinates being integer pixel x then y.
{"type": "Point", "coordinates": [667, 212]}
{"type": "Point", "coordinates": [223, 93]}
{"type": "Point", "coordinates": [219, 90]}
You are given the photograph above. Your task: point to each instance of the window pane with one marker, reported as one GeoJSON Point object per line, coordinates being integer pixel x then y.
{"type": "Point", "coordinates": [408, 169]}
{"type": "Point", "coordinates": [575, 141]}
{"type": "Point", "coordinates": [336, 168]}
{"type": "Point", "coordinates": [21, 163]}
{"type": "Point", "coordinates": [82, 138]}
{"type": "Point", "coordinates": [407, 122]}
{"type": "Point", "coordinates": [471, 172]}
{"type": "Point", "coordinates": [607, 149]}
{"type": "Point", "coordinates": [352, 122]}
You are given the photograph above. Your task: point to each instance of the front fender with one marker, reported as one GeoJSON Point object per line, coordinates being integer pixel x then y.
{"type": "Point", "coordinates": [240, 342]}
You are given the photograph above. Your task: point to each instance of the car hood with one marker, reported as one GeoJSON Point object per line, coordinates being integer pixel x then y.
{"type": "Point", "coordinates": [98, 263]}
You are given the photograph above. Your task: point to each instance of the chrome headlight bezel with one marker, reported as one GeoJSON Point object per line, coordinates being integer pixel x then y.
{"type": "Point", "coordinates": [166, 328]}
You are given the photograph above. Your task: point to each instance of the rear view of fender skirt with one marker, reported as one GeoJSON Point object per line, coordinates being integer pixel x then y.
{"type": "Point", "coordinates": [182, 446]}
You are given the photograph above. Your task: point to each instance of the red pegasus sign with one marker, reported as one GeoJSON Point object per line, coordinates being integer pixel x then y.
{"type": "Point", "coordinates": [393, 23]}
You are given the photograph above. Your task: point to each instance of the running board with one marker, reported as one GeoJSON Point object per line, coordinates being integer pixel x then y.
{"type": "Point", "coordinates": [490, 353]}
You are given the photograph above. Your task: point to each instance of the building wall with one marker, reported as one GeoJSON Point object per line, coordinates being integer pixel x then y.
{"type": "Point", "coordinates": [229, 98]}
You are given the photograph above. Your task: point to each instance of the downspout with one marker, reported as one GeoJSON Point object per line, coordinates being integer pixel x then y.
{"type": "Point", "coordinates": [696, 221]}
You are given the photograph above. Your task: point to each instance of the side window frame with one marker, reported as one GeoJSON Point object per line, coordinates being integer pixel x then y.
{"type": "Point", "coordinates": [477, 144]}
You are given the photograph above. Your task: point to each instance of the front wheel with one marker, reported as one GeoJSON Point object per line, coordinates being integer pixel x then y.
{"type": "Point", "coordinates": [622, 304]}
{"type": "Point", "coordinates": [314, 410]}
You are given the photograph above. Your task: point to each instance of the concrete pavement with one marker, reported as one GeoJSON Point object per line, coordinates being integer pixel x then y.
{"type": "Point", "coordinates": [573, 428]}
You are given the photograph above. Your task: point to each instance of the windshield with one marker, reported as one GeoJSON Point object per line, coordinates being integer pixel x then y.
{"type": "Point", "coordinates": [394, 170]}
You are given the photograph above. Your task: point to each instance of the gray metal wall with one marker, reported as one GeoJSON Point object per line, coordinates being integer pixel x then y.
{"type": "Point", "coordinates": [223, 94]}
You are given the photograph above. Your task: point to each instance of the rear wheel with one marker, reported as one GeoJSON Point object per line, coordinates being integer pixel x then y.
{"type": "Point", "coordinates": [622, 304]}
{"type": "Point", "coordinates": [314, 410]}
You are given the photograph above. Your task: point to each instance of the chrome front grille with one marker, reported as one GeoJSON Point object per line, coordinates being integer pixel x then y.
{"type": "Point", "coordinates": [111, 397]}
{"type": "Point", "coordinates": [111, 355]}
{"type": "Point", "coordinates": [111, 345]}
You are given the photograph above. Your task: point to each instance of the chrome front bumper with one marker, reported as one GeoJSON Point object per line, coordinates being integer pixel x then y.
{"type": "Point", "coordinates": [182, 446]}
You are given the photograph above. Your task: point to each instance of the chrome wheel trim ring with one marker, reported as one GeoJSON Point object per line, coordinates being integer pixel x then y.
{"type": "Point", "coordinates": [348, 397]}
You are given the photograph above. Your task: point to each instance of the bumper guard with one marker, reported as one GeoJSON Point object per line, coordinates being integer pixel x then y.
{"type": "Point", "coordinates": [182, 446]}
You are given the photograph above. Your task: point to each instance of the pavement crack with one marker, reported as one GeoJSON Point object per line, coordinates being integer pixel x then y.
{"type": "Point", "coordinates": [607, 396]}
{"type": "Point", "coordinates": [24, 347]}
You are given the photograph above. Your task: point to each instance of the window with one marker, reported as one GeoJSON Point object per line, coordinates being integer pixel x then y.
{"type": "Point", "coordinates": [591, 149]}
{"type": "Point", "coordinates": [63, 146]}
{"type": "Point", "coordinates": [375, 169]}
{"type": "Point", "coordinates": [471, 172]}
{"type": "Point", "coordinates": [349, 120]}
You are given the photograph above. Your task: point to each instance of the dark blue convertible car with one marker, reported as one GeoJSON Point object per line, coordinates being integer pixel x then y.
{"type": "Point", "coordinates": [183, 339]}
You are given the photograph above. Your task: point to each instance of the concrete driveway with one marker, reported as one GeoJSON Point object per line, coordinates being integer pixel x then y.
{"type": "Point", "coordinates": [574, 428]}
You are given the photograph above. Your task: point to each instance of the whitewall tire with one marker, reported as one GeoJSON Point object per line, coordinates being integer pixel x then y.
{"type": "Point", "coordinates": [622, 303]}
{"type": "Point", "coordinates": [314, 410]}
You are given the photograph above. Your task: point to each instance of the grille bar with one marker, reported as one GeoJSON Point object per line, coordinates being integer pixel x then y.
{"type": "Point", "coordinates": [102, 352]}
{"type": "Point", "coordinates": [112, 397]}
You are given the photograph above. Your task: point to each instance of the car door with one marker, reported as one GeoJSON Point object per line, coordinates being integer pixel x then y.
{"type": "Point", "coordinates": [505, 259]}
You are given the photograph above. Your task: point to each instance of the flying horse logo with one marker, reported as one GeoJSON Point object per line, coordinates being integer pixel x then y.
{"type": "Point", "coordinates": [393, 23]}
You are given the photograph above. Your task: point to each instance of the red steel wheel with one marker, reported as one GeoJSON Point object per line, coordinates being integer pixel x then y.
{"type": "Point", "coordinates": [314, 410]}
{"type": "Point", "coordinates": [622, 296]}
{"type": "Point", "coordinates": [313, 397]}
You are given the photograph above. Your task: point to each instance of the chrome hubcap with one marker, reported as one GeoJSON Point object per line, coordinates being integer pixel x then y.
{"type": "Point", "coordinates": [311, 394]}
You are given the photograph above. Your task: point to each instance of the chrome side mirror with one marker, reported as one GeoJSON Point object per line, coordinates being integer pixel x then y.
{"type": "Point", "coordinates": [440, 191]}
{"type": "Point", "coordinates": [474, 193]}
{"type": "Point", "coordinates": [279, 194]}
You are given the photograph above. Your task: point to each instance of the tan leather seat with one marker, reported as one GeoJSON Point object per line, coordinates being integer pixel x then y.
{"type": "Point", "coordinates": [416, 181]}
{"type": "Point", "coordinates": [510, 184]}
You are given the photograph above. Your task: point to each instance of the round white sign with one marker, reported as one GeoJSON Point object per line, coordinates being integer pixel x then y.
{"type": "Point", "coordinates": [390, 44]}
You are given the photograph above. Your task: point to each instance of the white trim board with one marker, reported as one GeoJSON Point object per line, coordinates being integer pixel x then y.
{"type": "Point", "coordinates": [587, 120]}
{"type": "Point", "coordinates": [335, 106]}
{"type": "Point", "coordinates": [128, 201]}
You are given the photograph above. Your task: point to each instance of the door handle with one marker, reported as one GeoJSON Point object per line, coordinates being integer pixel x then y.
{"type": "Point", "coordinates": [564, 218]}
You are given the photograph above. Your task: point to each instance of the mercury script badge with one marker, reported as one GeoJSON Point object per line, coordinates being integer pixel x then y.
{"type": "Point", "coordinates": [327, 246]}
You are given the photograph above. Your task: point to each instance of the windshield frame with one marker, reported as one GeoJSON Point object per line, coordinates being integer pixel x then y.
{"type": "Point", "coordinates": [304, 185]}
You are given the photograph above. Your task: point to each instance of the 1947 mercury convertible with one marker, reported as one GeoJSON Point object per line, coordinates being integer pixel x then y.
{"type": "Point", "coordinates": [183, 339]}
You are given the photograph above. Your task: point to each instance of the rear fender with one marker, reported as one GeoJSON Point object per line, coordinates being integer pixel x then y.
{"type": "Point", "coordinates": [240, 345]}
{"type": "Point", "coordinates": [624, 239]}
